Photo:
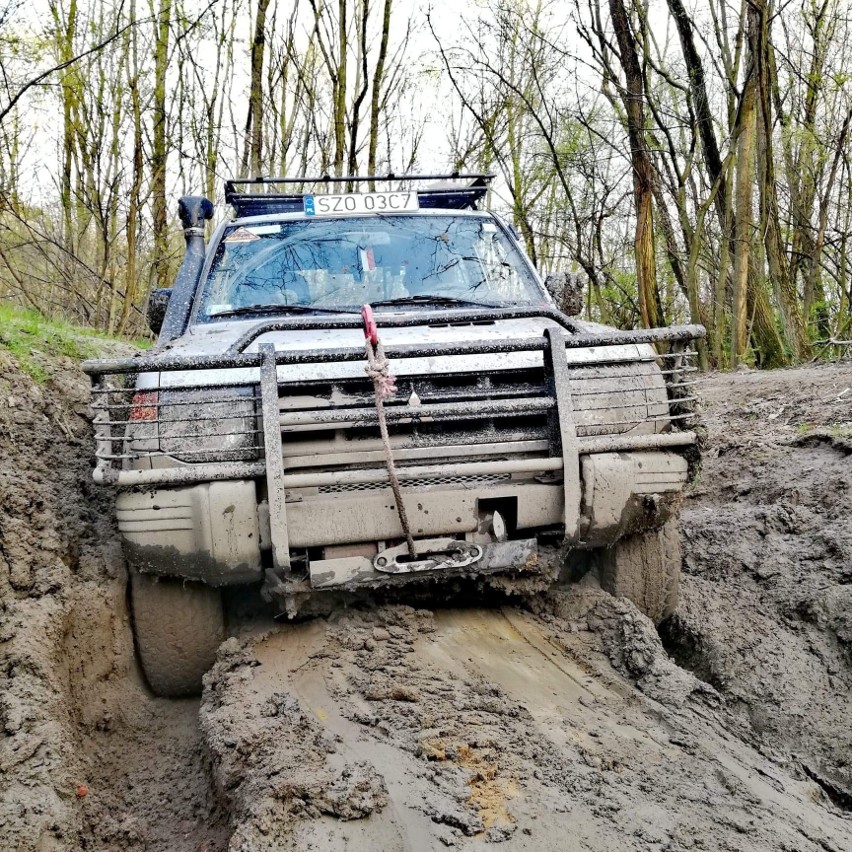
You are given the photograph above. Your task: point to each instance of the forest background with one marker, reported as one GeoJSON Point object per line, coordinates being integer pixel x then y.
{"type": "Point", "coordinates": [691, 159]}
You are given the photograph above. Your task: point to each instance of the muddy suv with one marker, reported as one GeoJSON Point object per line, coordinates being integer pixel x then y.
{"type": "Point", "coordinates": [354, 390]}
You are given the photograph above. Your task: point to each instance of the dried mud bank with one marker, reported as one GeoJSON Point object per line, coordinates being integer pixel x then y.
{"type": "Point", "coordinates": [88, 759]}
{"type": "Point", "coordinates": [766, 601]}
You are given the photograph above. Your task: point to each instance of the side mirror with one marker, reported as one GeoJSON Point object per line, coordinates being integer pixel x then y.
{"type": "Point", "coordinates": [158, 301]}
{"type": "Point", "coordinates": [567, 291]}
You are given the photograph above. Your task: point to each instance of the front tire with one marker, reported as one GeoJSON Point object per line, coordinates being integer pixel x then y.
{"type": "Point", "coordinates": [645, 568]}
{"type": "Point", "coordinates": [177, 626]}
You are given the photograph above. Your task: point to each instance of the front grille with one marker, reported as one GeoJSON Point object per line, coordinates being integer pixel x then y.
{"type": "Point", "coordinates": [504, 412]}
{"type": "Point", "coordinates": [438, 481]}
{"type": "Point", "coordinates": [489, 415]}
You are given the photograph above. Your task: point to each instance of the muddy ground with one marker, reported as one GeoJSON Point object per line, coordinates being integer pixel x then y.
{"type": "Point", "coordinates": [565, 723]}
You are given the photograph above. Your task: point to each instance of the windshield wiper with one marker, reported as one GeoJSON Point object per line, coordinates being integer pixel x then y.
{"type": "Point", "coordinates": [278, 309]}
{"type": "Point", "coordinates": [425, 299]}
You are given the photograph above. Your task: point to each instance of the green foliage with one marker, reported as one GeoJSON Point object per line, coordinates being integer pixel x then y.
{"type": "Point", "coordinates": [26, 334]}
{"type": "Point", "coordinates": [840, 431]}
{"type": "Point", "coordinates": [618, 294]}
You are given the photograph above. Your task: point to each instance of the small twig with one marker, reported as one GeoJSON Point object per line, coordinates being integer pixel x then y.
{"type": "Point", "coordinates": [831, 341]}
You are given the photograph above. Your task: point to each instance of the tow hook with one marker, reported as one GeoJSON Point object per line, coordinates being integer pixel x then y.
{"type": "Point", "coordinates": [433, 554]}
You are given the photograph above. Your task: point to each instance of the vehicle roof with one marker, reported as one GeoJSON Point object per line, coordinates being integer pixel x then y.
{"type": "Point", "coordinates": [261, 195]}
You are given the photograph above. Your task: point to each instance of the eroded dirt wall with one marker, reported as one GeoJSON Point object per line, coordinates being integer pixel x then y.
{"type": "Point", "coordinates": [88, 758]}
{"type": "Point", "coordinates": [766, 600]}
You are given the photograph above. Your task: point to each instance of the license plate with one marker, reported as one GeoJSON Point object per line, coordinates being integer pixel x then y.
{"type": "Point", "coordinates": [360, 202]}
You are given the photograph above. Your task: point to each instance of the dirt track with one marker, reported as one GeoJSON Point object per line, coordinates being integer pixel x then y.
{"type": "Point", "coordinates": [565, 725]}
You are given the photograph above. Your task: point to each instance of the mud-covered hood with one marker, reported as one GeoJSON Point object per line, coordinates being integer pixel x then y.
{"type": "Point", "coordinates": [219, 338]}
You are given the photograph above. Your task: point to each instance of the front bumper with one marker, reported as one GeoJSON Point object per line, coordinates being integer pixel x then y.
{"type": "Point", "coordinates": [209, 532]}
{"type": "Point", "coordinates": [219, 532]}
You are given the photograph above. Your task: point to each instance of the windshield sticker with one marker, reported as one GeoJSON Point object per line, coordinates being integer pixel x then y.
{"type": "Point", "coordinates": [241, 235]}
{"type": "Point", "coordinates": [250, 233]}
{"type": "Point", "coordinates": [215, 310]}
{"type": "Point", "coordinates": [368, 259]}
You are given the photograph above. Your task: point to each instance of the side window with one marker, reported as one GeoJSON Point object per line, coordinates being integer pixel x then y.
{"type": "Point", "coordinates": [225, 262]}
{"type": "Point", "coordinates": [493, 253]}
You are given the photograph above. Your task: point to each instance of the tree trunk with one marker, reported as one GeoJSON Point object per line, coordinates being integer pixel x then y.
{"type": "Point", "coordinates": [252, 164]}
{"type": "Point", "coordinates": [340, 91]}
{"type": "Point", "coordinates": [69, 96]}
{"type": "Point", "coordinates": [362, 84]}
{"type": "Point", "coordinates": [376, 95]}
{"type": "Point", "coordinates": [134, 201]}
{"type": "Point", "coordinates": [632, 95]}
{"type": "Point", "coordinates": [744, 228]}
{"type": "Point", "coordinates": [814, 282]}
{"type": "Point", "coordinates": [783, 285]}
{"type": "Point", "coordinates": [160, 146]}
{"type": "Point", "coordinates": [703, 111]}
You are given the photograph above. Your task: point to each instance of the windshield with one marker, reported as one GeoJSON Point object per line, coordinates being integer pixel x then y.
{"type": "Point", "coordinates": [342, 263]}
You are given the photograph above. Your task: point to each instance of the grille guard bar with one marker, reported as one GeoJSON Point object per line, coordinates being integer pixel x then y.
{"type": "Point", "coordinates": [166, 361]}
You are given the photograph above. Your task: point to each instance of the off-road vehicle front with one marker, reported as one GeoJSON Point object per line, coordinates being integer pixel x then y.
{"type": "Point", "coordinates": [283, 435]}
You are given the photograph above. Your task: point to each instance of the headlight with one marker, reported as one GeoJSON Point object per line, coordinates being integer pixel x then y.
{"type": "Point", "coordinates": [209, 424]}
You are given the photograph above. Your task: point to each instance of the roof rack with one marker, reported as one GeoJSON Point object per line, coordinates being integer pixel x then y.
{"type": "Point", "coordinates": [263, 195]}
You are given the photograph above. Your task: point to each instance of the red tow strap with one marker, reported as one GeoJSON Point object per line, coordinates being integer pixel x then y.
{"type": "Point", "coordinates": [371, 331]}
{"type": "Point", "coordinates": [384, 388]}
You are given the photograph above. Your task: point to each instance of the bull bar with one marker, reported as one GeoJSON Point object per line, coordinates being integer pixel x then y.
{"type": "Point", "coordinates": [565, 447]}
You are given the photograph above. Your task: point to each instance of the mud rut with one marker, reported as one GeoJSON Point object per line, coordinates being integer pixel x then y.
{"type": "Point", "coordinates": [565, 724]}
